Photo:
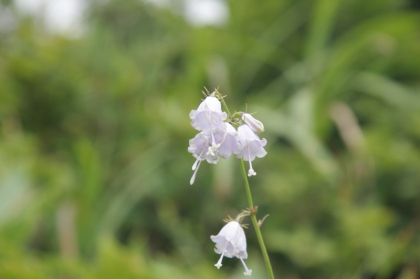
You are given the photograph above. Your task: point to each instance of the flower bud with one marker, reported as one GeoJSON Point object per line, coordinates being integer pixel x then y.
{"type": "Point", "coordinates": [255, 125]}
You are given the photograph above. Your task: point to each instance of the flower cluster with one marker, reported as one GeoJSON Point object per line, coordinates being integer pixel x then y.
{"type": "Point", "coordinates": [217, 136]}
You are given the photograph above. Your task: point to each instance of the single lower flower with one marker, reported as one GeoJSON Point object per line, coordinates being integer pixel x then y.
{"type": "Point", "coordinates": [251, 146]}
{"type": "Point", "coordinates": [231, 242]}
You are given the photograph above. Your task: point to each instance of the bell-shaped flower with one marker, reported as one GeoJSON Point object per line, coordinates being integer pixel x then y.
{"type": "Point", "coordinates": [208, 118]}
{"type": "Point", "coordinates": [229, 142]}
{"type": "Point", "coordinates": [231, 242]}
{"type": "Point", "coordinates": [199, 147]}
{"type": "Point", "coordinates": [253, 123]}
{"type": "Point", "coordinates": [252, 146]}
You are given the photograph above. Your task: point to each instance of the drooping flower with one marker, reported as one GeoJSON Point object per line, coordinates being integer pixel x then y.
{"type": "Point", "coordinates": [208, 118]}
{"type": "Point", "coordinates": [253, 123]}
{"type": "Point", "coordinates": [225, 143]}
{"type": "Point", "coordinates": [229, 142]}
{"type": "Point", "coordinates": [199, 147]}
{"type": "Point", "coordinates": [252, 146]}
{"type": "Point", "coordinates": [231, 242]}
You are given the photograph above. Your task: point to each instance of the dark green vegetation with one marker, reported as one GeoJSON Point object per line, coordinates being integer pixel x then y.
{"type": "Point", "coordinates": [94, 168]}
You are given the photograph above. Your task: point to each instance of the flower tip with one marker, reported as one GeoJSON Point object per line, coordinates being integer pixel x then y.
{"type": "Point", "coordinates": [195, 172]}
{"type": "Point", "coordinates": [218, 265]}
{"type": "Point", "coordinates": [194, 166]}
{"type": "Point", "coordinates": [247, 271]}
{"type": "Point", "coordinates": [251, 172]}
{"type": "Point", "coordinates": [192, 179]}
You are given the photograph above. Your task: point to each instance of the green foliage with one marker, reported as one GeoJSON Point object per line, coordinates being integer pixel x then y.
{"type": "Point", "coordinates": [94, 168]}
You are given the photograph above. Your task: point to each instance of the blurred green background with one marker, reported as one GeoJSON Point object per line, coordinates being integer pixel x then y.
{"type": "Point", "coordinates": [94, 130]}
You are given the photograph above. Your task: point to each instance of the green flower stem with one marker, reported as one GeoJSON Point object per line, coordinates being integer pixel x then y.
{"type": "Point", "coordinates": [255, 223]}
{"type": "Point", "coordinates": [251, 205]}
{"type": "Point", "coordinates": [225, 106]}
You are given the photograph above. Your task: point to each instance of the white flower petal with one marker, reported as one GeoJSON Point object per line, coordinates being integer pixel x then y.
{"type": "Point", "coordinates": [209, 116]}
{"type": "Point", "coordinates": [230, 242]}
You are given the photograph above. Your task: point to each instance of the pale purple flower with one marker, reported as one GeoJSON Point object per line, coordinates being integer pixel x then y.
{"type": "Point", "coordinates": [208, 118]}
{"type": "Point", "coordinates": [199, 147]}
{"type": "Point", "coordinates": [229, 142]}
{"type": "Point", "coordinates": [231, 242]}
{"type": "Point", "coordinates": [252, 146]}
{"type": "Point", "coordinates": [253, 123]}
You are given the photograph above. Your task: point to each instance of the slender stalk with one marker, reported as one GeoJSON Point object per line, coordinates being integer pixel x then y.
{"type": "Point", "coordinates": [226, 107]}
{"type": "Point", "coordinates": [251, 204]}
{"type": "Point", "coordinates": [255, 223]}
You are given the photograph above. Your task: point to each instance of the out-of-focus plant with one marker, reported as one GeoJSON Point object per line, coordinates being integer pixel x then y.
{"type": "Point", "coordinates": [93, 165]}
